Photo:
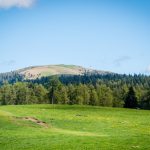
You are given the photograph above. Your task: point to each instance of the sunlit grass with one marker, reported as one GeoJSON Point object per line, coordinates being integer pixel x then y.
{"type": "Point", "coordinates": [74, 127]}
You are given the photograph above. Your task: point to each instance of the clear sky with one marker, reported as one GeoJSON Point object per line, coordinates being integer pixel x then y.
{"type": "Point", "coordinates": [111, 35]}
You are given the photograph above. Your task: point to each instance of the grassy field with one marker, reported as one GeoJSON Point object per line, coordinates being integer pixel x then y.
{"type": "Point", "coordinates": [73, 128]}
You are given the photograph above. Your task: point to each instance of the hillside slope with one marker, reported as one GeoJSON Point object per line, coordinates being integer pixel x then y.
{"type": "Point", "coordinates": [48, 70]}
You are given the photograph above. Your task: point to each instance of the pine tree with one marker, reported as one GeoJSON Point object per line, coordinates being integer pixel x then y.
{"type": "Point", "coordinates": [131, 99]}
{"type": "Point", "coordinates": [145, 103]}
{"type": "Point", "coordinates": [93, 100]}
{"type": "Point", "coordinates": [105, 96]}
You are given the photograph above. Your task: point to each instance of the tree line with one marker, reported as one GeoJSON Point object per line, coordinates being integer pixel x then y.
{"type": "Point", "coordinates": [11, 77]}
{"type": "Point", "coordinates": [98, 90]}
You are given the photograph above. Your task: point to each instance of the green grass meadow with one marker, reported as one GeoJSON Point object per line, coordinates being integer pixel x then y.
{"type": "Point", "coordinates": [74, 128]}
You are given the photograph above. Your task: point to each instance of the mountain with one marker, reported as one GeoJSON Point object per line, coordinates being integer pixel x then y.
{"type": "Point", "coordinates": [35, 72]}
{"type": "Point", "coordinates": [48, 70]}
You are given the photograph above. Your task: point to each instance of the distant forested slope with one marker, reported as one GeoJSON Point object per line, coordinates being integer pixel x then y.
{"type": "Point", "coordinates": [10, 77]}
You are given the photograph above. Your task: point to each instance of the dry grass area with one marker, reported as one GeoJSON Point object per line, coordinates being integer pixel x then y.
{"type": "Point", "coordinates": [40, 71]}
{"type": "Point", "coordinates": [34, 120]}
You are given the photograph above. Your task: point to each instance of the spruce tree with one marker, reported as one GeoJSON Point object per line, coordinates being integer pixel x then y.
{"type": "Point", "coordinates": [131, 99]}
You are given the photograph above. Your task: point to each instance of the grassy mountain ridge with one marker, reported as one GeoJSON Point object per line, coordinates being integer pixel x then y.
{"type": "Point", "coordinates": [34, 72]}
{"type": "Point", "coordinates": [48, 70]}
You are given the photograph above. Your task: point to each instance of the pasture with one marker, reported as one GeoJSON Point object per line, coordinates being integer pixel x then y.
{"type": "Point", "coordinates": [64, 127]}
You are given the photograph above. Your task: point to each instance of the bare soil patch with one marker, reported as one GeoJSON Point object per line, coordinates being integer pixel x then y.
{"type": "Point", "coordinates": [35, 120]}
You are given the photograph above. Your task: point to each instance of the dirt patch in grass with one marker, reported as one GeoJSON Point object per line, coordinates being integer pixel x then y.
{"type": "Point", "coordinates": [35, 120]}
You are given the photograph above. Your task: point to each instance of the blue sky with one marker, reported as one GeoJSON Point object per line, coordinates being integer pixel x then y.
{"type": "Point", "coordinates": [111, 35]}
